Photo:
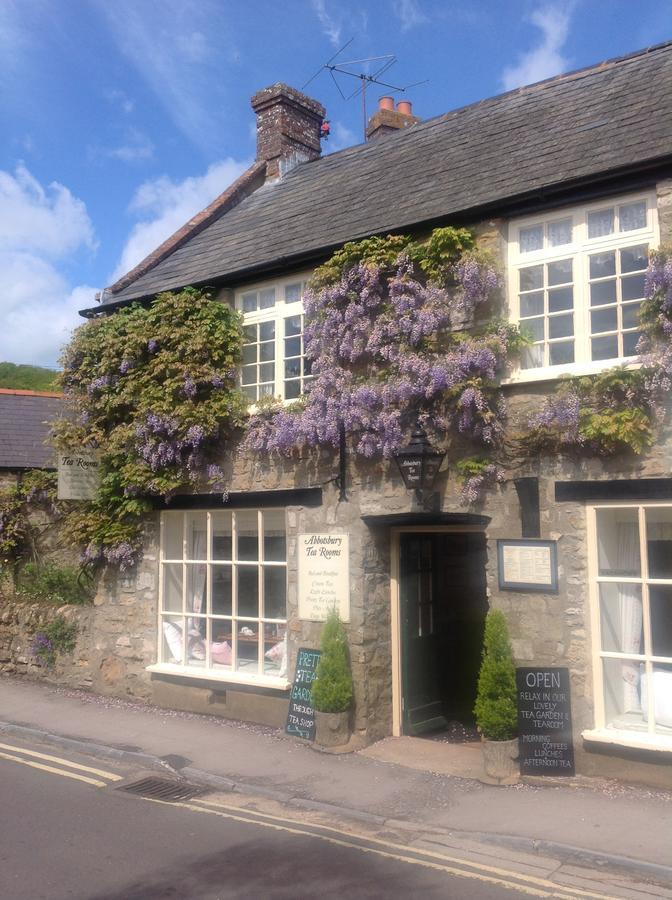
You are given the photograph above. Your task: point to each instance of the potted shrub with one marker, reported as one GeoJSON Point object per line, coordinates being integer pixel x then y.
{"type": "Point", "coordinates": [331, 690]}
{"type": "Point", "coordinates": [496, 708]}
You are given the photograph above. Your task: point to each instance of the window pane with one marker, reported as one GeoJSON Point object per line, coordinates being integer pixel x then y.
{"type": "Point", "coordinates": [618, 542]}
{"type": "Point", "coordinates": [600, 223]}
{"type": "Point", "coordinates": [250, 334]}
{"type": "Point", "coordinates": [275, 650]}
{"type": "Point", "coordinates": [531, 278]}
{"type": "Point", "coordinates": [221, 535]}
{"type": "Point", "coordinates": [631, 315]}
{"type": "Point", "coordinates": [621, 618]}
{"type": "Point", "coordinates": [172, 535]}
{"type": "Point", "coordinates": [532, 304]}
{"type": "Point", "coordinates": [293, 346]}
{"type": "Point", "coordinates": [533, 329]}
{"type": "Point", "coordinates": [292, 389]}
{"type": "Point", "coordinates": [560, 298]}
{"type": "Point", "coordinates": [267, 351]}
{"type": "Point", "coordinates": [266, 390]}
{"type": "Point", "coordinates": [662, 697]}
{"type": "Point", "coordinates": [196, 586]}
{"type": "Point", "coordinates": [248, 591]}
{"type": "Point", "coordinates": [533, 357]}
{"type": "Point", "coordinates": [630, 341]}
{"type": "Point", "coordinates": [267, 298]}
{"type": "Point", "coordinates": [531, 238]}
{"type": "Point", "coordinates": [197, 535]}
{"type": "Point", "coordinates": [250, 393]}
{"type": "Point", "coordinates": [221, 591]}
{"type": "Point", "coordinates": [249, 374]}
{"type": "Point", "coordinates": [267, 372]}
{"type": "Point", "coordinates": [602, 292]}
{"type": "Point", "coordinates": [292, 325]}
{"type": "Point", "coordinates": [659, 542]}
{"type": "Point", "coordinates": [274, 536]}
{"type": "Point", "coordinates": [622, 705]}
{"type": "Point", "coordinates": [172, 587]}
{"type": "Point", "coordinates": [248, 651]}
{"type": "Point", "coordinates": [660, 603]}
{"type": "Point", "coordinates": [603, 320]}
{"type": "Point", "coordinates": [266, 331]}
{"type": "Point", "coordinates": [605, 347]}
{"type": "Point", "coordinates": [634, 259]}
{"type": "Point", "coordinates": [632, 215]}
{"type": "Point", "coordinates": [560, 233]}
{"type": "Point", "coordinates": [561, 326]}
{"type": "Point", "coordinates": [562, 353]}
{"type": "Point", "coordinates": [307, 366]}
{"type": "Point", "coordinates": [172, 646]}
{"type": "Point", "coordinates": [560, 272]}
{"type": "Point", "coordinates": [292, 368]}
{"type": "Point", "coordinates": [632, 287]}
{"type": "Point", "coordinates": [246, 528]}
{"type": "Point", "coordinates": [250, 353]}
{"type": "Point", "coordinates": [602, 265]}
{"type": "Point", "coordinates": [275, 592]}
{"type": "Point", "coordinates": [249, 302]}
{"type": "Point", "coordinates": [293, 293]}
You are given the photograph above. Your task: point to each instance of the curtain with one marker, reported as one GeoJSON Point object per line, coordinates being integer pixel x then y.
{"type": "Point", "coordinates": [197, 586]}
{"type": "Point", "coordinates": [630, 611]}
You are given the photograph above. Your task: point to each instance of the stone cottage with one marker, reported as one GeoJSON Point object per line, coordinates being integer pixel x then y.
{"type": "Point", "coordinates": [569, 182]}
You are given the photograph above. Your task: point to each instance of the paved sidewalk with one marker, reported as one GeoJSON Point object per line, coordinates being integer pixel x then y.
{"type": "Point", "coordinates": [628, 825]}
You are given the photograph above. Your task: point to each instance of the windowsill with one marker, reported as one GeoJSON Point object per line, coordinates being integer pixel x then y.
{"type": "Point", "coordinates": [553, 373]}
{"type": "Point", "coordinates": [619, 738]}
{"type": "Point", "coordinates": [265, 681]}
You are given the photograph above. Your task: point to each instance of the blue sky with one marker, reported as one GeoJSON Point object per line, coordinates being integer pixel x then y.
{"type": "Point", "coordinates": [121, 118]}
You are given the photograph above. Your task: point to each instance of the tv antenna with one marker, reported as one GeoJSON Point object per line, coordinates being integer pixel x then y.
{"type": "Point", "coordinates": [365, 78]}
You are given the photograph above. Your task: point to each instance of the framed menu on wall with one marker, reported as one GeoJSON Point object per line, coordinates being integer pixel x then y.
{"type": "Point", "coordinates": [527, 565]}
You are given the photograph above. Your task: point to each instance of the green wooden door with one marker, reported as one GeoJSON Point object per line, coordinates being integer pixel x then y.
{"type": "Point", "coordinates": [420, 647]}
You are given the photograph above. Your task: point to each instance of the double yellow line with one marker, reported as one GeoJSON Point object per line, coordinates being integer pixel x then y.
{"type": "Point", "coordinates": [31, 757]}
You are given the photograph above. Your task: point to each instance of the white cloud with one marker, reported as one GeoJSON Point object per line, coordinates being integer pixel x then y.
{"type": "Point", "coordinates": [165, 205]}
{"type": "Point", "coordinates": [38, 229]}
{"type": "Point", "coordinates": [330, 27]}
{"type": "Point", "coordinates": [136, 146]}
{"type": "Point", "coordinates": [409, 13]}
{"type": "Point", "coordinates": [340, 137]}
{"type": "Point", "coordinates": [547, 58]}
{"type": "Point", "coordinates": [121, 99]}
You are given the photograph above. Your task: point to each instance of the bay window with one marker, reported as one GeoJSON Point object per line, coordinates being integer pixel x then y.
{"type": "Point", "coordinates": [223, 594]}
{"type": "Point", "coordinates": [631, 553]}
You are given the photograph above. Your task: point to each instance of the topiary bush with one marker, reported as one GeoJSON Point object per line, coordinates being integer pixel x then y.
{"type": "Point", "coordinates": [332, 689]}
{"type": "Point", "coordinates": [496, 708]}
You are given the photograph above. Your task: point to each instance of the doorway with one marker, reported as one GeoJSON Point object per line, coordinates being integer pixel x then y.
{"type": "Point", "coordinates": [442, 608]}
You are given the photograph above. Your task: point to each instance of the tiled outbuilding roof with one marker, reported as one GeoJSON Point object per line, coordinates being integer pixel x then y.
{"type": "Point", "coordinates": [24, 428]}
{"type": "Point", "coordinates": [567, 131]}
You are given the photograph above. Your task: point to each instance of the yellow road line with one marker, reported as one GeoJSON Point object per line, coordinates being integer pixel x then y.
{"type": "Point", "coordinates": [535, 887]}
{"type": "Point", "coordinates": [532, 879]}
{"type": "Point", "coordinates": [36, 765]}
{"type": "Point", "coordinates": [64, 762]}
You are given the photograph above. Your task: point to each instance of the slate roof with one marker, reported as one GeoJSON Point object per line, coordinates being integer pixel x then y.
{"type": "Point", "coordinates": [23, 429]}
{"type": "Point", "coordinates": [568, 130]}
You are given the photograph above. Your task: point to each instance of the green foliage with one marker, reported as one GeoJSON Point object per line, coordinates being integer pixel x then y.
{"type": "Point", "coordinates": [472, 466]}
{"type": "Point", "coordinates": [36, 490]}
{"type": "Point", "coordinates": [434, 256]}
{"type": "Point", "coordinates": [51, 583]}
{"type": "Point", "coordinates": [59, 636]}
{"type": "Point", "coordinates": [27, 378]}
{"type": "Point", "coordinates": [495, 708]}
{"type": "Point", "coordinates": [154, 389]}
{"type": "Point", "coordinates": [332, 689]}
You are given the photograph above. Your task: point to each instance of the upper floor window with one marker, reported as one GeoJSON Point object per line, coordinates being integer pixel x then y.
{"type": "Point", "coordinates": [274, 362]}
{"type": "Point", "coordinates": [576, 283]}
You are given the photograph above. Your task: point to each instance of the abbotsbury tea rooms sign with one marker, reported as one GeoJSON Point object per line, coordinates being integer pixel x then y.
{"type": "Point", "coordinates": [78, 474]}
{"type": "Point", "coordinates": [324, 576]}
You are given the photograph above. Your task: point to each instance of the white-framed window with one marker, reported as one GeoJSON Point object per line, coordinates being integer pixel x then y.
{"type": "Point", "coordinates": [223, 595]}
{"type": "Point", "coordinates": [274, 361]}
{"type": "Point", "coordinates": [576, 284]}
{"type": "Point", "coordinates": [631, 613]}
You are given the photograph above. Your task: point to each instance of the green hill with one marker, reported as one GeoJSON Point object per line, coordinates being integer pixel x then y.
{"type": "Point", "coordinates": [27, 378]}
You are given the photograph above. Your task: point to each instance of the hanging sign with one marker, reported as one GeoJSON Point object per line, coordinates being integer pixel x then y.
{"type": "Point", "coordinates": [324, 576]}
{"type": "Point", "coordinates": [545, 740]}
{"type": "Point", "coordinates": [301, 715]}
{"type": "Point", "coordinates": [78, 474]}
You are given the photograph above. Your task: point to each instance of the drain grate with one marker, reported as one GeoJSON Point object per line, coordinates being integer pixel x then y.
{"type": "Point", "coordinates": [166, 789]}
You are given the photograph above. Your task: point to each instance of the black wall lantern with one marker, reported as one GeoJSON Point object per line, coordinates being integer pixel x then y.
{"type": "Point", "coordinates": [419, 464]}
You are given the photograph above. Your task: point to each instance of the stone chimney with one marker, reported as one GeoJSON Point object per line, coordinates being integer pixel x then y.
{"type": "Point", "coordinates": [387, 119]}
{"type": "Point", "coordinates": [288, 128]}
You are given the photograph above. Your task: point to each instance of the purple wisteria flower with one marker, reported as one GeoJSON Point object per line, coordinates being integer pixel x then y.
{"type": "Point", "coordinates": [126, 366]}
{"type": "Point", "coordinates": [190, 389]}
{"type": "Point", "coordinates": [99, 384]}
{"type": "Point", "coordinates": [152, 345]}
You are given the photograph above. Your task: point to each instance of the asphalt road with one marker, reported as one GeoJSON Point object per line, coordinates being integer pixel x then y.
{"type": "Point", "coordinates": [61, 837]}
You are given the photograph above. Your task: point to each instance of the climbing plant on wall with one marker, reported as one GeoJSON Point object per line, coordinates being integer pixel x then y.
{"type": "Point", "coordinates": [18, 534]}
{"type": "Point", "coordinates": [153, 388]}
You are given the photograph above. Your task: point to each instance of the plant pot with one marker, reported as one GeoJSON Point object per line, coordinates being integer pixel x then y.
{"type": "Point", "coordinates": [500, 760]}
{"type": "Point", "coordinates": [332, 729]}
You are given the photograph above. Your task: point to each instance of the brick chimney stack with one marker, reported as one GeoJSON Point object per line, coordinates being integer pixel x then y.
{"type": "Point", "coordinates": [288, 128]}
{"type": "Point", "coordinates": [387, 119]}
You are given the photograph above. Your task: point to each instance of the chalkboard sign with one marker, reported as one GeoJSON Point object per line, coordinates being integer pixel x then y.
{"type": "Point", "coordinates": [545, 722]}
{"type": "Point", "coordinates": [301, 715]}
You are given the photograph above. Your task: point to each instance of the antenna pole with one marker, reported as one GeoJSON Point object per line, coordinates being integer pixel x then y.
{"type": "Point", "coordinates": [364, 102]}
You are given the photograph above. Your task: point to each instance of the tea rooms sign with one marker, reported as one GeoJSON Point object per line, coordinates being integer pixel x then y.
{"type": "Point", "coordinates": [324, 576]}
{"type": "Point", "coordinates": [78, 474]}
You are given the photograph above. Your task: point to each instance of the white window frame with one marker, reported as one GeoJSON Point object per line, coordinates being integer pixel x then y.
{"type": "Point", "coordinates": [235, 673]}
{"type": "Point", "coordinates": [579, 250]}
{"type": "Point", "coordinates": [601, 733]}
{"type": "Point", "coordinates": [278, 313]}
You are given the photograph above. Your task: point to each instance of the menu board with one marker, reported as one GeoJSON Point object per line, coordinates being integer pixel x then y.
{"type": "Point", "coordinates": [544, 722]}
{"type": "Point", "coordinates": [527, 565]}
{"type": "Point", "coordinates": [78, 475]}
{"type": "Point", "coordinates": [301, 715]}
{"type": "Point", "coordinates": [324, 576]}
